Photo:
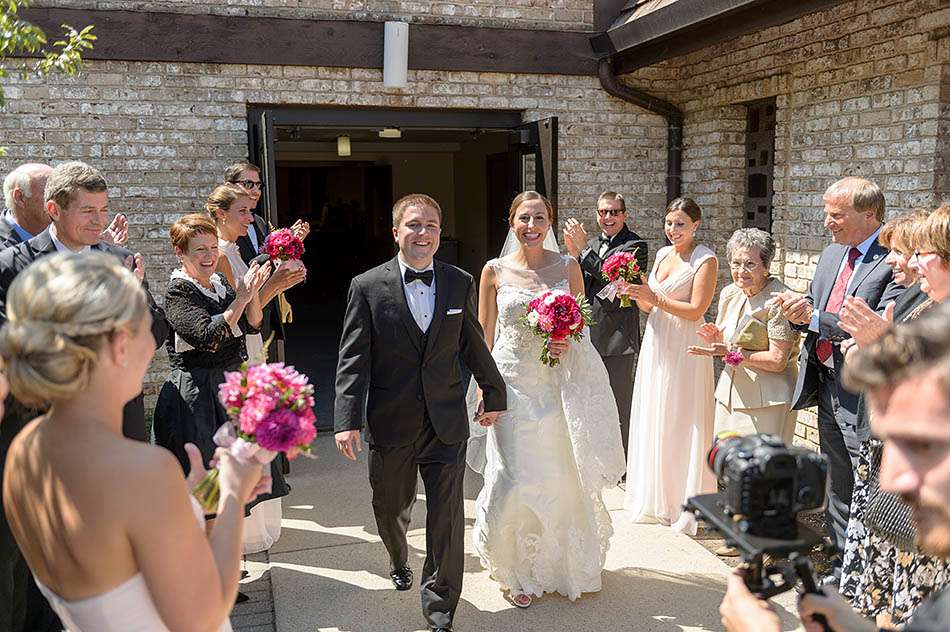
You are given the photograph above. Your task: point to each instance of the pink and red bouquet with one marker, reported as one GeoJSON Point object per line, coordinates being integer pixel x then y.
{"type": "Point", "coordinates": [283, 245]}
{"type": "Point", "coordinates": [620, 266]}
{"type": "Point", "coordinates": [270, 410]}
{"type": "Point", "coordinates": [556, 315]}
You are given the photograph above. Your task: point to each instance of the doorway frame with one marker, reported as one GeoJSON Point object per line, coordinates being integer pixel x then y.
{"type": "Point", "coordinates": [262, 120]}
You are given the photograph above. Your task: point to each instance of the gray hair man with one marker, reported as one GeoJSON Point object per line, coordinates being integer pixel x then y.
{"type": "Point", "coordinates": [853, 265]}
{"type": "Point", "coordinates": [25, 214]}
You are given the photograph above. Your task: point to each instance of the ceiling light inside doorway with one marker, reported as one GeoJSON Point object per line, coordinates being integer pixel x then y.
{"type": "Point", "coordinates": [390, 132]}
{"type": "Point", "coordinates": [343, 145]}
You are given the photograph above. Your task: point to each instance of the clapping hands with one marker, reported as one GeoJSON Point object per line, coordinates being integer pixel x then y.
{"type": "Point", "coordinates": [136, 263]}
{"type": "Point", "coordinates": [301, 229]}
{"type": "Point", "coordinates": [251, 283]}
{"type": "Point", "coordinates": [712, 336]}
{"type": "Point", "coordinates": [575, 237]}
{"type": "Point", "coordinates": [795, 307]}
{"type": "Point", "coordinates": [863, 323]}
{"type": "Point", "coordinates": [117, 233]}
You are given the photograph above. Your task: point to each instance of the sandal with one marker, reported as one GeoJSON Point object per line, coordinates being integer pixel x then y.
{"type": "Point", "coordinates": [521, 600]}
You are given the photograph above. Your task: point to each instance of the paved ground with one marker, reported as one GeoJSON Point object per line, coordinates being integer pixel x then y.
{"type": "Point", "coordinates": [328, 572]}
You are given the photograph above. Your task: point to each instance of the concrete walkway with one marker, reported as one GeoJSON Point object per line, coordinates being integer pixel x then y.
{"type": "Point", "coordinates": [329, 571]}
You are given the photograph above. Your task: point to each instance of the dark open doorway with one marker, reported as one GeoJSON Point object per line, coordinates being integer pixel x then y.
{"type": "Point", "coordinates": [472, 166]}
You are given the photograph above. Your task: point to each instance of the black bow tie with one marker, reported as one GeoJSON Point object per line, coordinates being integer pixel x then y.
{"type": "Point", "coordinates": [604, 240]}
{"type": "Point", "coordinates": [412, 275]}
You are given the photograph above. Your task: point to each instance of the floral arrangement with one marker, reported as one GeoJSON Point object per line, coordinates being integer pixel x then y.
{"type": "Point", "coordinates": [734, 358]}
{"type": "Point", "coordinates": [556, 315]}
{"type": "Point", "coordinates": [620, 266]}
{"type": "Point", "coordinates": [270, 410]}
{"type": "Point", "coordinates": [283, 245]}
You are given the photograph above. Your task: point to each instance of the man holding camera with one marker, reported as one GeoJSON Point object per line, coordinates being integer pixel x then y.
{"type": "Point", "coordinates": [906, 375]}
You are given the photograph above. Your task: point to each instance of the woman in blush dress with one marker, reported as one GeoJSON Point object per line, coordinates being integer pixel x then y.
{"type": "Point", "coordinates": [107, 524]}
{"type": "Point", "coordinates": [540, 521]}
{"type": "Point", "coordinates": [671, 419]}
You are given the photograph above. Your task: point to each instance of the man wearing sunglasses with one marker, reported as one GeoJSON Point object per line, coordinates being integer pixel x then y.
{"type": "Point", "coordinates": [616, 332]}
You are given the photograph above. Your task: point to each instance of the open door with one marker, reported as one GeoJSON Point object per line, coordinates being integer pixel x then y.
{"type": "Point", "coordinates": [261, 149]}
{"type": "Point", "coordinates": [533, 158]}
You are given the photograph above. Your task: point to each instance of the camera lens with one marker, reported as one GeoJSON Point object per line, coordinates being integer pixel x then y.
{"type": "Point", "coordinates": [722, 445]}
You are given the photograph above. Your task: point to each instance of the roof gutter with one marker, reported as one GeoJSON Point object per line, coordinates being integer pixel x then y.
{"type": "Point", "coordinates": [673, 115]}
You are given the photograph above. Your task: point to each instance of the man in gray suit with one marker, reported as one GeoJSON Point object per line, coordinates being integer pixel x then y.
{"type": "Point", "coordinates": [853, 265]}
{"type": "Point", "coordinates": [615, 332]}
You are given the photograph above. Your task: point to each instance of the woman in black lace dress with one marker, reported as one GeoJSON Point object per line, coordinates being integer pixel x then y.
{"type": "Point", "coordinates": [209, 320]}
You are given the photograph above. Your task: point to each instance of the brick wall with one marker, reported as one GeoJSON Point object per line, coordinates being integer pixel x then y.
{"type": "Point", "coordinates": [163, 132]}
{"type": "Point", "coordinates": [574, 15]}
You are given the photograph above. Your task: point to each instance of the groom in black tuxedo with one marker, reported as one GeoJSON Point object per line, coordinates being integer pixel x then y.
{"type": "Point", "coordinates": [408, 325]}
{"type": "Point", "coordinates": [616, 331]}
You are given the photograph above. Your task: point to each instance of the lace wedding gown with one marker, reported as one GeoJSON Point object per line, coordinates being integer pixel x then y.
{"type": "Point", "coordinates": [671, 418]}
{"type": "Point", "coordinates": [540, 523]}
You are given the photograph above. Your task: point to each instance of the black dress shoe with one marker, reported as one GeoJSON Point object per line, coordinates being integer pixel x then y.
{"type": "Point", "coordinates": [402, 578]}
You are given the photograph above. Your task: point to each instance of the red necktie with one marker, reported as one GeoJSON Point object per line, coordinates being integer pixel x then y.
{"type": "Point", "coordinates": [824, 349]}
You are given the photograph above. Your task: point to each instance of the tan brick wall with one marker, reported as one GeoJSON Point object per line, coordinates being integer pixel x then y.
{"type": "Point", "coordinates": [163, 132]}
{"type": "Point", "coordinates": [576, 15]}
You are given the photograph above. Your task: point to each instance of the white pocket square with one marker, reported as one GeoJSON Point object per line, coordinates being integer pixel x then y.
{"type": "Point", "coordinates": [453, 312]}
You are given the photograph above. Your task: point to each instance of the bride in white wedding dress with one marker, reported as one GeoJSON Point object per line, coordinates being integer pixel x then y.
{"type": "Point", "coordinates": [540, 523]}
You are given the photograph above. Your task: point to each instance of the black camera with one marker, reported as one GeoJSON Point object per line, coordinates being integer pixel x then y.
{"type": "Point", "coordinates": [766, 484]}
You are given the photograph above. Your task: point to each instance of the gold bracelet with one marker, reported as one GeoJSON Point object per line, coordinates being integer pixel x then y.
{"type": "Point", "coordinates": [659, 301]}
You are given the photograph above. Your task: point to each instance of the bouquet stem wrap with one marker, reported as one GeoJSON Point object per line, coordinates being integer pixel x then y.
{"type": "Point", "coordinates": [208, 491]}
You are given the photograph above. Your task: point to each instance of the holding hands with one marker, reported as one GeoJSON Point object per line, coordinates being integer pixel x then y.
{"type": "Point", "coordinates": [575, 237]}
{"type": "Point", "coordinates": [712, 336]}
{"type": "Point", "coordinates": [795, 307]}
{"type": "Point", "coordinates": [864, 324]}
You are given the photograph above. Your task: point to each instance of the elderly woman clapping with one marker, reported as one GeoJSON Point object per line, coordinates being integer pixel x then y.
{"type": "Point", "coordinates": [755, 389]}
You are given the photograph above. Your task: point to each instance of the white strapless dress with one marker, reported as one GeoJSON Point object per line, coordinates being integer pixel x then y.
{"type": "Point", "coordinates": [541, 525]}
{"type": "Point", "coordinates": [126, 608]}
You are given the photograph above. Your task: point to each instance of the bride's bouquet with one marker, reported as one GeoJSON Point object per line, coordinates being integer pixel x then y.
{"type": "Point", "coordinates": [556, 315]}
{"type": "Point", "coordinates": [270, 410]}
{"type": "Point", "coordinates": [620, 266]}
{"type": "Point", "coordinates": [284, 246]}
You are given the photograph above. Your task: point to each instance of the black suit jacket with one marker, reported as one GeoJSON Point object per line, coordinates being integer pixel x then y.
{"type": "Point", "coordinates": [873, 281]}
{"type": "Point", "coordinates": [16, 259]}
{"type": "Point", "coordinates": [8, 235]}
{"type": "Point", "coordinates": [615, 331]}
{"type": "Point", "coordinates": [387, 379]}
{"type": "Point", "coordinates": [271, 324]}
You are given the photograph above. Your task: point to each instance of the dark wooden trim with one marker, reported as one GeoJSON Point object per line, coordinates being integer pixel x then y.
{"type": "Point", "coordinates": [178, 37]}
{"type": "Point", "coordinates": [684, 27]}
{"type": "Point", "coordinates": [386, 117]}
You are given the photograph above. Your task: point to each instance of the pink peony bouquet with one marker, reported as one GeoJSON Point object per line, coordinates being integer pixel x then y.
{"type": "Point", "coordinates": [620, 266]}
{"type": "Point", "coordinates": [285, 247]}
{"type": "Point", "coordinates": [556, 315]}
{"type": "Point", "coordinates": [270, 407]}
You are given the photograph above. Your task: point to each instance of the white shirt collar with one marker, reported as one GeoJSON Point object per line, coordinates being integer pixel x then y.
{"type": "Point", "coordinates": [60, 246]}
{"type": "Point", "coordinates": [217, 291]}
{"type": "Point", "coordinates": [865, 245]}
{"type": "Point", "coordinates": [403, 266]}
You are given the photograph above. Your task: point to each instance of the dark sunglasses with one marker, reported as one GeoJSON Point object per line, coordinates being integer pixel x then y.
{"type": "Point", "coordinates": [249, 184]}
{"type": "Point", "coordinates": [613, 212]}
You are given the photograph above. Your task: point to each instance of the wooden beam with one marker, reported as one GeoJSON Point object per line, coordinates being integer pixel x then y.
{"type": "Point", "coordinates": [179, 37]}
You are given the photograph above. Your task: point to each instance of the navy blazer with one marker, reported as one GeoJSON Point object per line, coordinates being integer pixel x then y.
{"type": "Point", "coordinates": [873, 281]}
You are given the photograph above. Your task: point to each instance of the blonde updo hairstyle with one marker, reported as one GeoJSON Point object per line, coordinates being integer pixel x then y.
{"type": "Point", "coordinates": [221, 199]}
{"type": "Point", "coordinates": [60, 313]}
